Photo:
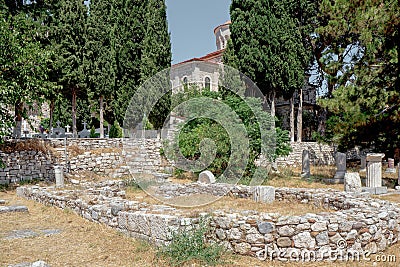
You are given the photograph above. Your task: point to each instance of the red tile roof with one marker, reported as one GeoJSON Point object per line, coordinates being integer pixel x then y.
{"type": "Point", "coordinates": [206, 58]}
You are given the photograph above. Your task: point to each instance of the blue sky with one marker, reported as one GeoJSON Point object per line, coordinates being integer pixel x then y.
{"type": "Point", "coordinates": [191, 24]}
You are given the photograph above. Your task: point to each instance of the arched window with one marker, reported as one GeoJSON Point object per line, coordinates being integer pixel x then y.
{"type": "Point", "coordinates": [185, 80]}
{"type": "Point", "coordinates": [207, 83]}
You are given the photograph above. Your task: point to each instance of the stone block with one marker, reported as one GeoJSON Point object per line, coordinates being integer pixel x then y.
{"type": "Point", "coordinates": [375, 190]}
{"type": "Point", "coordinates": [206, 177]}
{"type": "Point", "coordinates": [352, 182]}
{"type": "Point", "coordinates": [264, 194]}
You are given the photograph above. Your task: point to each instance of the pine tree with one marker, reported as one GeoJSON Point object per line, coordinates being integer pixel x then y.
{"type": "Point", "coordinates": [365, 102]}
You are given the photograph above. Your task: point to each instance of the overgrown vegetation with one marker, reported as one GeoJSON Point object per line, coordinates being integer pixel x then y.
{"type": "Point", "coordinates": [189, 246]}
{"type": "Point", "coordinates": [116, 131]}
{"type": "Point", "coordinates": [244, 118]}
{"type": "Point", "coordinates": [27, 145]}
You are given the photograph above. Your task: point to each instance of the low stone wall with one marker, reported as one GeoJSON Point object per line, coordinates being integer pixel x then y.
{"type": "Point", "coordinates": [87, 143]}
{"type": "Point", "coordinates": [26, 165]}
{"type": "Point", "coordinates": [320, 154]}
{"type": "Point", "coordinates": [126, 156]}
{"type": "Point", "coordinates": [360, 225]}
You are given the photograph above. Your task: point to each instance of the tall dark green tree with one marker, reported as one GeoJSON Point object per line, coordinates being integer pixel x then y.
{"type": "Point", "coordinates": [130, 15]}
{"type": "Point", "coordinates": [100, 58]}
{"type": "Point", "coordinates": [69, 45]}
{"type": "Point", "coordinates": [268, 46]}
{"type": "Point", "coordinates": [156, 54]}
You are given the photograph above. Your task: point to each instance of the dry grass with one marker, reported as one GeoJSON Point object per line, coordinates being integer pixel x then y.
{"type": "Point", "coordinates": [99, 151]}
{"type": "Point", "coordinates": [393, 198]}
{"type": "Point", "coordinates": [74, 151]}
{"type": "Point", "coordinates": [197, 203]}
{"type": "Point", "coordinates": [83, 243]}
{"type": "Point", "coordinates": [28, 145]}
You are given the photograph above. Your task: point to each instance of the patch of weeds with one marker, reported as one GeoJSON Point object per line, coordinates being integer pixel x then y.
{"type": "Point", "coordinates": [142, 246]}
{"type": "Point", "coordinates": [4, 187]}
{"type": "Point", "coordinates": [68, 211]}
{"type": "Point", "coordinates": [132, 184]}
{"type": "Point", "coordinates": [190, 246]}
{"type": "Point", "coordinates": [74, 150]}
{"type": "Point", "coordinates": [29, 182]}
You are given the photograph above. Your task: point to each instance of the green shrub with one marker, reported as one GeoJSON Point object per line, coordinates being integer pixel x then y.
{"type": "Point", "coordinates": [115, 131]}
{"type": "Point", "coordinates": [249, 116]}
{"type": "Point", "coordinates": [92, 132]}
{"type": "Point", "coordinates": [190, 246]}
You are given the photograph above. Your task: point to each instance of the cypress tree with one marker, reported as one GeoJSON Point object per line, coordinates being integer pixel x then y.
{"type": "Point", "coordinates": [100, 58]}
{"type": "Point", "coordinates": [156, 54]}
{"type": "Point", "coordinates": [70, 40]}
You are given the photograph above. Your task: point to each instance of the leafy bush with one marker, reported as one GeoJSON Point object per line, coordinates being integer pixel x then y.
{"type": "Point", "coordinates": [246, 113]}
{"type": "Point", "coordinates": [190, 246]}
{"type": "Point", "coordinates": [115, 131]}
{"type": "Point", "coordinates": [92, 132]}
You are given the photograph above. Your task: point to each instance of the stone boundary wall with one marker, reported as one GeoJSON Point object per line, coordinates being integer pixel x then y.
{"type": "Point", "coordinates": [87, 143]}
{"type": "Point", "coordinates": [320, 154]}
{"type": "Point", "coordinates": [361, 224]}
{"type": "Point", "coordinates": [26, 165]}
{"type": "Point", "coordinates": [142, 156]}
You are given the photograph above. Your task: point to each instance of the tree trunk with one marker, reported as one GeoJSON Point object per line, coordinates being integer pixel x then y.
{"type": "Point", "coordinates": [291, 118]}
{"type": "Point", "coordinates": [18, 119]}
{"type": "Point", "coordinates": [300, 117]}
{"type": "Point", "coordinates": [51, 114]}
{"type": "Point", "coordinates": [74, 129]}
{"type": "Point", "coordinates": [101, 117]}
{"type": "Point", "coordinates": [272, 99]}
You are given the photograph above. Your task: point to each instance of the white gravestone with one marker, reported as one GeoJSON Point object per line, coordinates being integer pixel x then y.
{"type": "Point", "coordinates": [305, 164]}
{"type": "Point", "coordinates": [352, 182]}
{"type": "Point", "coordinates": [264, 194]}
{"type": "Point", "coordinates": [206, 177]}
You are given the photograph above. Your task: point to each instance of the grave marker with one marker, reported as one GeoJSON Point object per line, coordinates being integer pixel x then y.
{"type": "Point", "coordinates": [58, 132]}
{"type": "Point", "coordinates": [340, 166]}
{"type": "Point", "coordinates": [305, 164]}
{"type": "Point", "coordinates": [363, 163]}
{"type": "Point", "coordinates": [84, 133]}
{"type": "Point", "coordinates": [391, 168]}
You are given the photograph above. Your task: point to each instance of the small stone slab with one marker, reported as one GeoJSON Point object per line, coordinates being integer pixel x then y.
{"type": "Point", "coordinates": [13, 209]}
{"type": "Point", "coordinates": [375, 190]}
{"type": "Point", "coordinates": [34, 264]}
{"type": "Point", "coordinates": [2, 202]}
{"type": "Point", "coordinates": [264, 194]}
{"type": "Point", "coordinates": [352, 182]}
{"type": "Point", "coordinates": [48, 232]}
{"type": "Point", "coordinates": [206, 177]}
{"type": "Point", "coordinates": [15, 234]}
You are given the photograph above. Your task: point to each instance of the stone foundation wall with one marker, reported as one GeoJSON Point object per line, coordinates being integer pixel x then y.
{"type": "Point", "coordinates": [320, 154]}
{"type": "Point", "coordinates": [87, 143]}
{"type": "Point", "coordinates": [26, 165]}
{"type": "Point", "coordinates": [361, 224]}
{"type": "Point", "coordinates": [114, 157]}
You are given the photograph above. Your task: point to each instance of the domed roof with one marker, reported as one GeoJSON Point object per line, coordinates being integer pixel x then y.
{"type": "Point", "coordinates": [228, 22]}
